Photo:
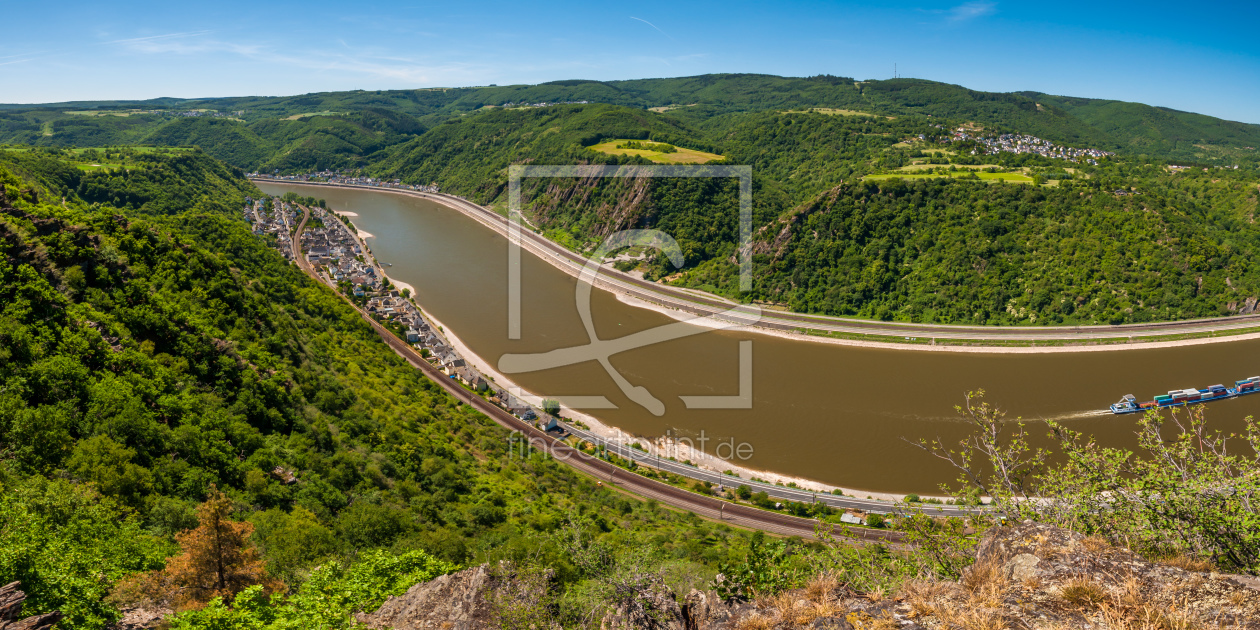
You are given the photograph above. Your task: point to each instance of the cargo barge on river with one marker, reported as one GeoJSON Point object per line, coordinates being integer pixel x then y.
{"type": "Point", "coordinates": [1183, 397]}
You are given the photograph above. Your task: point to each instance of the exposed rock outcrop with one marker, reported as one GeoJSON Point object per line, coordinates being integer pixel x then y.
{"type": "Point", "coordinates": [458, 601]}
{"type": "Point", "coordinates": [1030, 576]}
{"type": "Point", "coordinates": [11, 600]}
{"type": "Point", "coordinates": [142, 618]}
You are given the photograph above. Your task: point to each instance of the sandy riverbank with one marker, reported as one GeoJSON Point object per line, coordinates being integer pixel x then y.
{"type": "Point", "coordinates": [625, 297]}
{"type": "Point", "coordinates": [612, 287]}
{"type": "Point", "coordinates": [716, 464]}
{"type": "Point", "coordinates": [661, 446]}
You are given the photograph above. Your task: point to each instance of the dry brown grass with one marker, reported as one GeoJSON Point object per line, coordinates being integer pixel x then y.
{"type": "Point", "coordinates": [969, 617]}
{"type": "Point", "coordinates": [1147, 617]}
{"type": "Point", "coordinates": [984, 575]}
{"type": "Point", "coordinates": [1130, 608]}
{"type": "Point", "coordinates": [1083, 592]}
{"type": "Point", "coordinates": [1129, 594]}
{"type": "Point", "coordinates": [826, 609]}
{"type": "Point", "coordinates": [1095, 544]}
{"type": "Point", "coordinates": [821, 588]}
{"type": "Point", "coordinates": [1188, 563]}
{"type": "Point", "coordinates": [876, 595]}
{"type": "Point", "coordinates": [885, 621]}
{"type": "Point", "coordinates": [1240, 599]}
{"type": "Point", "coordinates": [923, 596]}
{"type": "Point", "coordinates": [985, 582]}
{"type": "Point", "coordinates": [754, 622]}
{"type": "Point", "coordinates": [791, 609]}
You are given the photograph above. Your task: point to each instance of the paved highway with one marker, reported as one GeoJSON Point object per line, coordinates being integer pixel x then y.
{"type": "Point", "coordinates": [605, 472]}
{"type": "Point", "coordinates": [777, 492]}
{"type": "Point", "coordinates": [781, 493]}
{"type": "Point", "coordinates": [698, 304]}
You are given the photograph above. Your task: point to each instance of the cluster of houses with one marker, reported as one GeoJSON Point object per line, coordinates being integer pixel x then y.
{"type": "Point", "coordinates": [198, 113]}
{"type": "Point", "coordinates": [274, 218]}
{"type": "Point", "coordinates": [336, 252]}
{"type": "Point", "coordinates": [1019, 143]}
{"type": "Point", "coordinates": [544, 104]}
{"type": "Point", "coordinates": [423, 335]}
{"type": "Point", "coordinates": [338, 255]}
{"type": "Point", "coordinates": [337, 177]}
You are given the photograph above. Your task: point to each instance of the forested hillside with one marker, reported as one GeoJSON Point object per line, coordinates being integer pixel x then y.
{"type": "Point", "coordinates": [971, 252]}
{"type": "Point", "coordinates": [849, 220]}
{"type": "Point", "coordinates": [154, 352]}
{"type": "Point", "coordinates": [1144, 234]}
{"type": "Point", "coordinates": [186, 420]}
{"type": "Point", "coordinates": [1109, 125]}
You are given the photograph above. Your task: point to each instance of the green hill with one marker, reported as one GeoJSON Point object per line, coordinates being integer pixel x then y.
{"type": "Point", "coordinates": [1162, 131]}
{"type": "Point", "coordinates": [1110, 125]}
{"type": "Point", "coordinates": [808, 140]}
{"type": "Point", "coordinates": [156, 349]}
{"type": "Point", "coordinates": [1118, 242]}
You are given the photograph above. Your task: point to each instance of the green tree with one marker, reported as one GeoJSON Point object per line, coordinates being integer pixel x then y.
{"type": "Point", "coordinates": [68, 545]}
{"type": "Point", "coordinates": [108, 464]}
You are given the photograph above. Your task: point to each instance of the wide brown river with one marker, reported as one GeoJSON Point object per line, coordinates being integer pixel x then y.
{"type": "Point", "coordinates": [836, 414]}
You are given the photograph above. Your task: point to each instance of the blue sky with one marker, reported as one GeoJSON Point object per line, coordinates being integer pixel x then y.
{"type": "Point", "coordinates": [1203, 58]}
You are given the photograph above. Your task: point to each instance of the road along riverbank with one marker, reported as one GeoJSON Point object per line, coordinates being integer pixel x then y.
{"type": "Point", "coordinates": [837, 414]}
{"type": "Point", "coordinates": [686, 304]}
{"type": "Point", "coordinates": [678, 455]}
{"type": "Point", "coordinates": [708, 507]}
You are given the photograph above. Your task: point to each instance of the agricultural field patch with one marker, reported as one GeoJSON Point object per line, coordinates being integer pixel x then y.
{"type": "Point", "coordinates": [678, 155]}
{"type": "Point", "coordinates": [830, 111]}
{"type": "Point", "coordinates": [308, 114]}
{"type": "Point", "coordinates": [1014, 178]}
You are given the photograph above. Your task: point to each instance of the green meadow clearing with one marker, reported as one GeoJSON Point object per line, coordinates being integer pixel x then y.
{"type": "Point", "coordinates": [1016, 178]}
{"type": "Point", "coordinates": [831, 111]}
{"type": "Point", "coordinates": [680, 156]}
{"type": "Point", "coordinates": [307, 114]}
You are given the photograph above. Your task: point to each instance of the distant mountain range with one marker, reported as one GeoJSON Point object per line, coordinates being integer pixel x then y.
{"type": "Point", "coordinates": [355, 124]}
{"type": "Point", "coordinates": [868, 200]}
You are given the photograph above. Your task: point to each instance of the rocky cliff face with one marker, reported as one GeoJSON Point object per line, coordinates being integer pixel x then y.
{"type": "Point", "coordinates": [11, 600]}
{"type": "Point", "coordinates": [1029, 576]}
{"type": "Point", "coordinates": [459, 601]}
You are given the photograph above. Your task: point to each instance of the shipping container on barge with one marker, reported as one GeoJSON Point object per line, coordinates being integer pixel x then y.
{"type": "Point", "coordinates": [1183, 397]}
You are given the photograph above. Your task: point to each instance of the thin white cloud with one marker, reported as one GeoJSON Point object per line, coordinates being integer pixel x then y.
{"type": "Point", "coordinates": [970, 11]}
{"type": "Point", "coordinates": [135, 40]}
{"type": "Point", "coordinates": [652, 25]}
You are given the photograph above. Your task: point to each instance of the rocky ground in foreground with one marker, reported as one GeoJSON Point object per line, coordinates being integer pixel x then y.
{"type": "Point", "coordinates": [1029, 576]}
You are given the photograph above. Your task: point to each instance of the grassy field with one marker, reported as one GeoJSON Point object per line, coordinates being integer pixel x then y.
{"type": "Point", "coordinates": [836, 112]}
{"type": "Point", "coordinates": [1015, 178]}
{"type": "Point", "coordinates": [927, 167]}
{"type": "Point", "coordinates": [90, 164]}
{"type": "Point", "coordinates": [132, 149]}
{"type": "Point", "coordinates": [323, 113]}
{"type": "Point", "coordinates": [664, 108]}
{"type": "Point", "coordinates": [95, 113]}
{"type": "Point", "coordinates": [681, 156]}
